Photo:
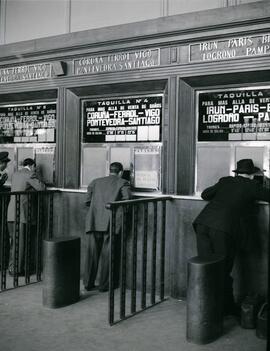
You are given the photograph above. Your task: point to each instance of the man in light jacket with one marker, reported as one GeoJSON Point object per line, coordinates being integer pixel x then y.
{"type": "Point", "coordinates": [100, 192]}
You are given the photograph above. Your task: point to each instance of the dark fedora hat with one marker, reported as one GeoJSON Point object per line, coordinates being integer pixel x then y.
{"type": "Point", "coordinates": [4, 156]}
{"type": "Point", "coordinates": [246, 166]}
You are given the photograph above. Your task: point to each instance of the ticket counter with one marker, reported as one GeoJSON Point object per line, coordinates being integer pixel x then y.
{"type": "Point", "coordinates": [177, 100]}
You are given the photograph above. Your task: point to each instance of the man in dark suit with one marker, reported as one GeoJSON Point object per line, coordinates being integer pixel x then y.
{"type": "Point", "coordinates": [100, 192]}
{"type": "Point", "coordinates": [23, 180]}
{"type": "Point", "coordinates": [220, 227]}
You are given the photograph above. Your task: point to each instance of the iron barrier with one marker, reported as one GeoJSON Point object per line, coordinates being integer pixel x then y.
{"type": "Point", "coordinates": [22, 230]}
{"type": "Point", "coordinates": [143, 221]}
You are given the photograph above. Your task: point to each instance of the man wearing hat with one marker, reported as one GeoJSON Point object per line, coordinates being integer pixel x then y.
{"type": "Point", "coordinates": [219, 226]}
{"type": "Point", "coordinates": [3, 165]}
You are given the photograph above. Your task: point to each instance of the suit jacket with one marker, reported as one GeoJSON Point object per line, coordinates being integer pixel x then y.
{"type": "Point", "coordinates": [23, 180]}
{"type": "Point", "coordinates": [231, 201]}
{"type": "Point", "coordinates": [99, 192]}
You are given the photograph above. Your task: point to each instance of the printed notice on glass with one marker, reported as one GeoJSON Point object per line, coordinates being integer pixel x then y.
{"type": "Point", "coordinates": [28, 123]}
{"type": "Point", "coordinates": [234, 115]}
{"type": "Point", "coordinates": [131, 119]}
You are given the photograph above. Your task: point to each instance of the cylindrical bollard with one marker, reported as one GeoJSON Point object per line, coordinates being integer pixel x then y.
{"type": "Point", "coordinates": [205, 294]}
{"type": "Point", "coordinates": [61, 274]}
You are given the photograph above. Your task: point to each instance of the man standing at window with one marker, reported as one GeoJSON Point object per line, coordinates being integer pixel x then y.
{"type": "Point", "coordinates": [221, 226]}
{"type": "Point", "coordinates": [100, 192]}
{"type": "Point", "coordinates": [23, 180]}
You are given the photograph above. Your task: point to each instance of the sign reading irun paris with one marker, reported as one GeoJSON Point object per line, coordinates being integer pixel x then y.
{"type": "Point", "coordinates": [231, 48]}
{"type": "Point", "coordinates": [234, 115]}
{"type": "Point", "coordinates": [122, 61]}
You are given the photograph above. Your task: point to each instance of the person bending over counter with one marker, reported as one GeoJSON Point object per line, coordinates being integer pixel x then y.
{"type": "Point", "coordinates": [221, 227]}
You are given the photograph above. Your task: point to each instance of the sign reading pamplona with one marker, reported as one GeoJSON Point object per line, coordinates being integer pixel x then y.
{"type": "Point", "coordinates": [128, 119]}
{"type": "Point", "coordinates": [234, 115]}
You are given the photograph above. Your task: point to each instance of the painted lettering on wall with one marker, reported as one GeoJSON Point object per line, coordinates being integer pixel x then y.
{"type": "Point", "coordinates": [122, 61]}
{"type": "Point", "coordinates": [217, 50]}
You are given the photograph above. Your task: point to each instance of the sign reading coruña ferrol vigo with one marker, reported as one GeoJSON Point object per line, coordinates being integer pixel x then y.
{"type": "Point", "coordinates": [122, 61]}
{"type": "Point", "coordinates": [231, 48]}
{"type": "Point", "coordinates": [25, 72]}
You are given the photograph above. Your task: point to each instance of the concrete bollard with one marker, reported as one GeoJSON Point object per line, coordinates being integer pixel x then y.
{"type": "Point", "coordinates": [205, 295]}
{"type": "Point", "coordinates": [61, 273]}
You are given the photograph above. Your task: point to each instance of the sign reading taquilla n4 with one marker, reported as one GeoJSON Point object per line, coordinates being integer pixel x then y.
{"type": "Point", "coordinates": [231, 48]}
{"type": "Point", "coordinates": [121, 61]}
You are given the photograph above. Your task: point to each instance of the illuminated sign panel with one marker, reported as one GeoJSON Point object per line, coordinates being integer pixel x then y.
{"type": "Point", "coordinates": [234, 115]}
{"type": "Point", "coordinates": [129, 119]}
{"type": "Point", "coordinates": [28, 123]}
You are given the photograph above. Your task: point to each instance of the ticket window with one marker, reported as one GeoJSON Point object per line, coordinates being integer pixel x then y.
{"type": "Point", "coordinates": [232, 125]}
{"type": "Point", "coordinates": [126, 130]}
{"type": "Point", "coordinates": [29, 131]}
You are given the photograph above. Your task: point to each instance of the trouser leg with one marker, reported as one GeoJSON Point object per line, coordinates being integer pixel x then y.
{"type": "Point", "coordinates": [94, 243]}
{"type": "Point", "coordinates": [104, 263]}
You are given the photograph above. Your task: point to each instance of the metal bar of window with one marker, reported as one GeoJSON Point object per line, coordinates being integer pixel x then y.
{"type": "Point", "coordinates": [144, 255]}
{"type": "Point", "coordinates": [162, 250]}
{"type": "Point", "coordinates": [123, 263]}
{"type": "Point", "coordinates": [134, 258]}
{"type": "Point", "coordinates": [112, 264]}
{"type": "Point", "coordinates": [154, 255]}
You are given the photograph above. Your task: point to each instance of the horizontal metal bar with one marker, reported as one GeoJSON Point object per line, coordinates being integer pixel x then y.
{"type": "Point", "coordinates": [137, 201]}
{"type": "Point", "coordinates": [8, 193]}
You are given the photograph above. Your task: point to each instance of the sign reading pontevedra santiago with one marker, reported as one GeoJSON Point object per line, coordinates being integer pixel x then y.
{"type": "Point", "coordinates": [128, 119]}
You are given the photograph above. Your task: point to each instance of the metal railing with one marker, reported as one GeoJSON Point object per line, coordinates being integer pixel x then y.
{"type": "Point", "coordinates": [21, 238]}
{"type": "Point", "coordinates": [142, 232]}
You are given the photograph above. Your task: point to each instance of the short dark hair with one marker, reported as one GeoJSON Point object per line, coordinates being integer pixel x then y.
{"type": "Point", "coordinates": [28, 162]}
{"type": "Point", "coordinates": [116, 167]}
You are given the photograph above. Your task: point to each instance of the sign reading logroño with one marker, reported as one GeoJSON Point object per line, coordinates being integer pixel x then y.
{"type": "Point", "coordinates": [129, 119]}
{"type": "Point", "coordinates": [25, 73]}
{"type": "Point", "coordinates": [122, 61]}
{"type": "Point", "coordinates": [234, 115]}
{"type": "Point", "coordinates": [28, 123]}
{"type": "Point", "coordinates": [231, 48]}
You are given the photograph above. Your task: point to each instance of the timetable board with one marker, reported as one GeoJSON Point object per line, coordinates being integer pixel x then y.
{"type": "Point", "coordinates": [234, 115]}
{"type": "Point", "coordinates": [128, 119]}
{"type": "Point", "coordinates": [28, 123]}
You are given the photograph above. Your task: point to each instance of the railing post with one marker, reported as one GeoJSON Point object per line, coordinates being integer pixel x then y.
{"type": "Point", "coordinates": [39, 236]}
{"type": "Point", "coordinates": [16, 239]}
{"type": "Point", "coordinates": [28, 239]}
{"type": "Point", "coordinates": [154, 254]}
{"type": "Point", "coordinates": [162, 250]}
{"type": "Point", "coordinates": [144, 255]}
{"type": "Point", "coordinates": [134, 259]}
{"type": "Point", "coordinates": [123, 264]}
{"type": "Point", "coordinates": [111, 268]}
{"type": "Point", "coordinates": [4, 238]}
